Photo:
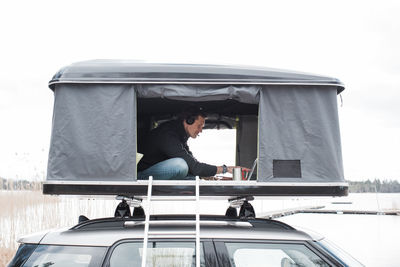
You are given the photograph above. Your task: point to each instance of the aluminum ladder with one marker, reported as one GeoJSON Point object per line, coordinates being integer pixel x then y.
{"type": "Point", "coordinates": [147, 222]}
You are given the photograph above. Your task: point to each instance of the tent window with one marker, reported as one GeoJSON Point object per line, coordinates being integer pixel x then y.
{"type": "Point", "coordinates": [286, 168]}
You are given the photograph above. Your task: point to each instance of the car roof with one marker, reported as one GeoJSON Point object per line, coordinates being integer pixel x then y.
{"type": "Point", "coordinates": [129, 71]}
{"type": "Point", "coordinates": [107, 231]}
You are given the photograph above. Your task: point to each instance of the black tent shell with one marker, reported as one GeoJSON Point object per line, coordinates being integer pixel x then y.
{"type": "Point", "coordinates": [123, 71]}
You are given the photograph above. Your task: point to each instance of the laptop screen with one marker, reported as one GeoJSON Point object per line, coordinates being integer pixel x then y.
{"type": "Point", "coordinates": [252, 169]}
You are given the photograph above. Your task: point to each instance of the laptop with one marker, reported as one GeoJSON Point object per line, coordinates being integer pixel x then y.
{"type": "Point", "coordinates": [252, 169]}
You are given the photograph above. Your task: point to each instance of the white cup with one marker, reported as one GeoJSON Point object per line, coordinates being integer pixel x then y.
{"type": "Point", "coordinates": [237, 174]}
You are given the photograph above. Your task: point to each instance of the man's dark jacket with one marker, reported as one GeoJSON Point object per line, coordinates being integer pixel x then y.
{"type": "Point", "coordinates": [169, 140]}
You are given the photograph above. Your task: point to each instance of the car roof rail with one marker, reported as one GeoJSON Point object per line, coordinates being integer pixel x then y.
{"type": "Point", "coordinates": [119, 222]}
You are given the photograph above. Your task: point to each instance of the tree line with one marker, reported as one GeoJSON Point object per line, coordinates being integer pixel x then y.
{"type": "Point", "coordinates": [385, 186]}
{"type": "Point", "coordinates": [11, 184]}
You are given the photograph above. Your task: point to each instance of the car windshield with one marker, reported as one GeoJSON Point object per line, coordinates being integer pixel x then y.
{"type": "Point", "coordinates": [65, 256]}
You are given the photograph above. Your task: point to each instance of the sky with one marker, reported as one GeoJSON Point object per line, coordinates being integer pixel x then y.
{"type": "Point", "coordinates": [354, 41]}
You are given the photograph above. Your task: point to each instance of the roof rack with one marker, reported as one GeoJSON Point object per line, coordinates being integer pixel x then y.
{"type": "Point", "coordinates": [170, 219]}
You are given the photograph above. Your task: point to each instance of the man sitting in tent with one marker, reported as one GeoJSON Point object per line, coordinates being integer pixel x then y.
{"type": "Point", "coordinates": [167, 155]}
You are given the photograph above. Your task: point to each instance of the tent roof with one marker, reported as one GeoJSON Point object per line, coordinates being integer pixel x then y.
{"type": "Point", "coordinates": [125, 71]}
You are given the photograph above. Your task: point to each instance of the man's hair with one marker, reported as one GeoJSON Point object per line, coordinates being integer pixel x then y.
{"type": "Point", "coordinates": [191, 113]}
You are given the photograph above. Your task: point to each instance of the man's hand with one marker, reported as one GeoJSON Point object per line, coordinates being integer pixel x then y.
{"type": "Point", "coordinates": [229, 169]}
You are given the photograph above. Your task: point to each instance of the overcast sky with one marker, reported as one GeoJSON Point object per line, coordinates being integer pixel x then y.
{"type": "Point", "coordinates": [355, 41]}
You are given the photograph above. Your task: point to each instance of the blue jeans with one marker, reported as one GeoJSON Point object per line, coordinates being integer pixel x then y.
{"type": "Point", "coordinates": [170, 169]}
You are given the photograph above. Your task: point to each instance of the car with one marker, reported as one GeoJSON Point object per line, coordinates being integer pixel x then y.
{"type": "Point", "coordinates": [224, 241]}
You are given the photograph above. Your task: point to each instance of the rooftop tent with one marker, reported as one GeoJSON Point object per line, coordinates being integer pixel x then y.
{"type": "Point", "coordinates": [288, 120]}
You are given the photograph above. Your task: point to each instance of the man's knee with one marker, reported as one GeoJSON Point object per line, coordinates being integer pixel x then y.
{"type": "Point", "coordinates": [180, 166]}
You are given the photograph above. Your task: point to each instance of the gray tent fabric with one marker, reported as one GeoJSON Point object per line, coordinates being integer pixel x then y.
{"type": "Point", "coordinates": [246, 140]}
{"type": "Point", "coordinates": [248, 94]}
{"type": "Point", "coordinates": [93, 133]}
{"type": "Point", "coordinates": [300, 124]}
{"type": "Point", "coordinates": [94, 129]}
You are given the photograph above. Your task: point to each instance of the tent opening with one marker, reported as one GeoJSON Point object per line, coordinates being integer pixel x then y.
{"type": "Point", "coordinates": [231, 124]}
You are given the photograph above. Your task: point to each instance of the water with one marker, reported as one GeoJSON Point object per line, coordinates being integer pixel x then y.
{"type": "Point", "coordinates": [372, 239]}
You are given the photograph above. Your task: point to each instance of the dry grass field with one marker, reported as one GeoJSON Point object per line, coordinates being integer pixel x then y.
{"type": "Point", "coordinates": [20, 213]}
{"type": "Point", "coordinates": [27, 212]}
{"type": "Point", "coordinates": [6, 255]}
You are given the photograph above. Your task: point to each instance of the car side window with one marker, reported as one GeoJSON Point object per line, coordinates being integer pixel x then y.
{"type": "Point", "coordinates": [65, 256]}
{"type": "Point", "coordinates": [242, 254]}
{"type": "Point", "coordinates": [159, 254]}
